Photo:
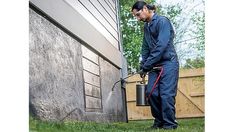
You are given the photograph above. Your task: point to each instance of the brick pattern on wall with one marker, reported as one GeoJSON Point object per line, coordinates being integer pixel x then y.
{"type": "Point", "coordinates": [92, 84]}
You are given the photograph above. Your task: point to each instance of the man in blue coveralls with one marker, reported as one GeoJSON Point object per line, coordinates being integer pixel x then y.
{"type": "Point", "coordinates": [158, 50]}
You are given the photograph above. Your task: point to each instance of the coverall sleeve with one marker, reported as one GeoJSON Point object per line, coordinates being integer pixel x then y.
{"type": "Point", "coordinates": [161, 44]}
{"type": "Point", "coordinates": [144, 51]}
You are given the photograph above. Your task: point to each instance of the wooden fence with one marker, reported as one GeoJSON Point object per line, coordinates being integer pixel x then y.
{"type": "Point", "coordinates": [189, 99]}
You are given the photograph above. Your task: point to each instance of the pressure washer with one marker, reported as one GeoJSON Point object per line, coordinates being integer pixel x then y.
{"type": "Point", "coordinates": [141, 98]}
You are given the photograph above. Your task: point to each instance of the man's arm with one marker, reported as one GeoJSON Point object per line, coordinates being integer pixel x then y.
{"type": "Point", "coordinates": [144, 52]}
{"type": "Point", "coordinates": [161, 44]}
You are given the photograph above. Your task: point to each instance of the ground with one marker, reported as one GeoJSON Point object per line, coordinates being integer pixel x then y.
{"type": "Point", "coordinates": [185, 125]}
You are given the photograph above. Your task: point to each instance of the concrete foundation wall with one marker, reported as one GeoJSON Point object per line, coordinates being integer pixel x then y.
{"type": "Point", "coordinates": [56, 80]}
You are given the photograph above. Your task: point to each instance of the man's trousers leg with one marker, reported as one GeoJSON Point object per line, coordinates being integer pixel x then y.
{"type": "Point", "coordinates": [168, 90]}
{"type": "Point", "coordinates": [154, 100]}
{"type": "Point", "coordinates": [162, 100]}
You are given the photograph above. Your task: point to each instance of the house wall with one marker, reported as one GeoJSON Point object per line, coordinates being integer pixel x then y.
{"type": "Point", "coordinates": [68, 78]}
{"type": "Point", "coordinates": [102, 14]}
{"type": "Point", "coordinates": [86, 21]}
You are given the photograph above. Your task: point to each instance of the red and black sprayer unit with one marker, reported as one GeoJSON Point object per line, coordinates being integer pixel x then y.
{"type": "Point", "coordinates": [141, 98]}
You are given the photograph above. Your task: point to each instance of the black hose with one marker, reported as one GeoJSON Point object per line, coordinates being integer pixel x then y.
{"type": "Point", "coordinates": [123, 79]}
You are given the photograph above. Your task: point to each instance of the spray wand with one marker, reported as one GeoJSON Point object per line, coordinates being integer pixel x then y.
{"type": "Point", "coordinates": [123, 79]}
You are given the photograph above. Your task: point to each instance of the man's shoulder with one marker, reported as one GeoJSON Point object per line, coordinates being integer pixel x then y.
{"type": "Point", "coordinates": [163, 18]}
{"type": "Point", "coordinates": [158, 18]}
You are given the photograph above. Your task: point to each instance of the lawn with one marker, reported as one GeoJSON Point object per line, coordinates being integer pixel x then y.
{"type": "Point", "coordinates": [185, 125]}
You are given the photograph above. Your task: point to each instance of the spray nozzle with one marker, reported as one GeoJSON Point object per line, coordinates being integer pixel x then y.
{"type": "Point", "coordinates": [116, 83]}
{"type": "Point", "coordinates": [143, 80]}
{"type": "Point", "coordinates": [122, 80]}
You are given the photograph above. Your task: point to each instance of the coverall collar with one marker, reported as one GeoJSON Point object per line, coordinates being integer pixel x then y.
{"type": "Point", "coordinates": [154, 17]}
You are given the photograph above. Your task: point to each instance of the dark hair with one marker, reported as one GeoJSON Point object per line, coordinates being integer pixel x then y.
{"type": "Point", "coordinates": [140, 4]}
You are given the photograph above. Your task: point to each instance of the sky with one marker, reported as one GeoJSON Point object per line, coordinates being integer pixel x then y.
{"type": "Point", "coordinates": [168, 1]}
{"type": "Point", "coordinates": [184, 49]}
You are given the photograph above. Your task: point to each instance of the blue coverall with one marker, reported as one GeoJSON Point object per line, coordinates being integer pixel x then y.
{"type": "Point", "coordinates": [158, 50]}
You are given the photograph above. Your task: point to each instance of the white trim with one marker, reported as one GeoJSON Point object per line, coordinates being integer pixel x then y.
{"type": "Point", "coordinates": [72, 20]}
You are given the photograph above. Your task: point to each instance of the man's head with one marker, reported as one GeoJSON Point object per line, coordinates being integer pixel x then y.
{"type": "Point", "coordinates": [142, 11]}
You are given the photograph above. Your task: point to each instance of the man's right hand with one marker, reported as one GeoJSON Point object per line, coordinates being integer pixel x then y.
{"type": "Point", "coordinates": [142, 73]}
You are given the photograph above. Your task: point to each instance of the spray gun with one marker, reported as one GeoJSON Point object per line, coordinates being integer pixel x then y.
{"type": "Point", "coordinates": [141, 98]}
{"type": "Point", "coordinates": [122, 80]}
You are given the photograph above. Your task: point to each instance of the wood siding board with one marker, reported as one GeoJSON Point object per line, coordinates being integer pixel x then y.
{"type": "Point", "coordinates": [138, 112]}
{"type": "Point", "coordinates": [91, 78]}
{"type": "Point", "coordinates": [131, 89]}
{"type": "Point", "coordinates": [111, 36]}
{"type": "Point", "coordinates": [105, 14]}
{"type": "Point", "coordinates": [90, 66]}
{"type": "Point", "coordinates": [192, 72]}
{"type": "Point", "coordinates": [92, 102]}
{"type": "Point", "coordinates": [97, 15]}
{"type": "Point", "coordinates": [135, 78]}
{"type": "Point", "coordinates": [92, 90]}
{"type": "Point", "coordinates": [197, 94]}
{"type": "Point", "coordinates": [112, 12]}
{"type": "Point", "coordinates": [90, 55]}
{"type": "Point", "coordinates": [97, 24]}
{"type": "Point", "coordinates": [93, 110]}
{"type": "Point", "coordinates": [191, 100]}
{"type": "Point", "coordinates": [185, 106]}
{"type": "Point", "coordinates": [93, 96]}
{"type": "Point", "coordinates": [111, 3]}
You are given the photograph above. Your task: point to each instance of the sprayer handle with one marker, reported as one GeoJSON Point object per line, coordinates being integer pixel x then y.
{"type": "Point", "coordinates": [157, 68]}
{"type": "Point", "coordinates": [143, 80]}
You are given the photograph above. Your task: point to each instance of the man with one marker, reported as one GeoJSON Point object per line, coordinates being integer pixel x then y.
{"type": "Point", "coordinates": [158, 51]}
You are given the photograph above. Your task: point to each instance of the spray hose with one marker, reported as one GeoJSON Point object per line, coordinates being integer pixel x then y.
{"type": "Point", "coordinates": [155, 83]}
{"type": "Point", "coordinates": [154, 68]}
{"type": "Point", "coordinates": [122, 79]}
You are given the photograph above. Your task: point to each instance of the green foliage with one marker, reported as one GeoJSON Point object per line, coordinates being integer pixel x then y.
{"type": "Point", "coordinates": [173, 12]}
{"type": "Point", "coordinates": [132, 30]}
{"type": "Point", "coordinates": [185, 125]}
{"type": "Point", "coordinates": [194, 63]}
{"type": "Point", "coordinates": [199, 20]}
{"type": "Point", "coordinates": [189, 29]}
{"type": "Point", "coordinates": [132, 34]}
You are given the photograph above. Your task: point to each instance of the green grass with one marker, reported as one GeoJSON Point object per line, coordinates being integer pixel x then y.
{"type": "Point", "coordinates": [185, 125]}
